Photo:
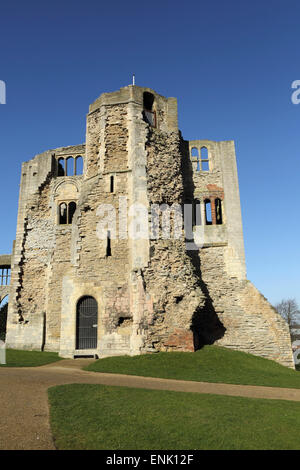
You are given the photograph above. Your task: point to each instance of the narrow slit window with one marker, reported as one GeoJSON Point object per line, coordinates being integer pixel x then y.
{"type": "Point", "coordinates": [208, 216]}
{"type": "Point", "coordinates": [218, 205]}
{"type": "Point", "coordinates": [112, 184]}
{"type": "Point", "coordinates": [108, 244]}
{"type": "Point", "coordinates": [79, 165]}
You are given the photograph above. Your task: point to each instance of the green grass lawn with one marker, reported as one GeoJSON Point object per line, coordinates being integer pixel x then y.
{"type": "Point", "coordinates": [210, 364]}
{"type": "Point", "coordinates": [16, 358]}
{"type": "Point", "coordinates": [102, 417]}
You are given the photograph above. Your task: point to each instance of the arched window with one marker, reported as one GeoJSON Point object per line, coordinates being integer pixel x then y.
{"type": "Point", "coordinates": [208, 215]}
{"type": "Point", "coordinates": [61, 167]}
{"type": "Point", "coordinates": [204, 159]}
{"type": "Point", "coordinates": [71, 211]}
{"type": "Point", "coordinates": [195, 155]}
{"type": "Point", "coordinates": [218, 206]}
{"type": "Point", "coordinates": [70, 166]}
{"type": "Point", "coordinates": [66, 212]}
{"type": "Point", "coordinates": [79, 165]}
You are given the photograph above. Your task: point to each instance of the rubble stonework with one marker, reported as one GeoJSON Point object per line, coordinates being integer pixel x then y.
{"type": "Point", "coordinates": [152, 293]}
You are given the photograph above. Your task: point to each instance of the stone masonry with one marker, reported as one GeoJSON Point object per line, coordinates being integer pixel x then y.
{"type": "Point", "coordinates": [144, 293]}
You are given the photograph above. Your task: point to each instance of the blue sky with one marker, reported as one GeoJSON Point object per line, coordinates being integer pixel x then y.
{"type": "Point", "coordinates": [230, 64]}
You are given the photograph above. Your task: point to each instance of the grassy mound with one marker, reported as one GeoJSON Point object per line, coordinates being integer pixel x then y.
{"type": "Point", "coordinates": [102, 417]}
{"type": "Point", "coordinates": [210, 364]}
{"type": "Point", "coordinates": [16, 358]}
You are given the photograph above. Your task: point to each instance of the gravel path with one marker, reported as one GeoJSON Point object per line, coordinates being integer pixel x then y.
{"type": "Point", "coordinates": [24, 417]}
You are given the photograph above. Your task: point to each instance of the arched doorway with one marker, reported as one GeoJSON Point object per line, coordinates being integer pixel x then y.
{"type": "Point", "coordinates": [86, 323]}
{"type": "Point", "coordinates": [3, 317]}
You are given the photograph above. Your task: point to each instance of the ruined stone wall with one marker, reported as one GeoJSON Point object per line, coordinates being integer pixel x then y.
{"type": "Point", "coordinates": [170, 278]}
{"type": "Point", "coordinates": [251, 324]}
{"type": "Point", "coordinates": [152, 294]}
{"type": "Point", "coordinates": [235, 314]}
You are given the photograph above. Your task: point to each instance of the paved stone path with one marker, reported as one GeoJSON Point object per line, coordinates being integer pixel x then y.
{"type": "Point", "coordinates": [24, 416]}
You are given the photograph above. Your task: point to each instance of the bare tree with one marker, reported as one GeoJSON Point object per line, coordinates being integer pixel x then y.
{"type": "Point", "coordinates": [289, 310]}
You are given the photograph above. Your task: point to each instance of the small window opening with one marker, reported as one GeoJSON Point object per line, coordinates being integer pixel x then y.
{"type": "Point", "coordinates": [218, 205]}
{"type": "Point", "coordinates": [148, 114]}
{"type": "Point", "coordinates": [79, 165]}
{"type": "Point", "coordinates": [208, 216]}
{"type": "Point", "coordinates": [108, 244]}
{"type": "Point", "coordinates": [148, 99]}
{"type": "Point", "coordinates": [112, 184]}
{"type": "Point", "coordinates": [61, 167]}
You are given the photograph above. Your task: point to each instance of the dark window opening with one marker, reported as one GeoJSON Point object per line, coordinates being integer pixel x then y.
{"type": "Point", "coordinates": [148, 100]}
{"type": "Point", "coordinates": [124, 321]}
{"type": "Point", "coordinates": [66, 212]}
{"type": "Point", "coordinates": [63, 209]}
{"type": "Point", "coordinates": [148, 114]}
{"type": "Point", "coordinates": [71, 211]}
{"type": "Point", "coordinates": [208, 216]}
{"type": "Point", "coordinates": [61, 167]}
{"type": "Point", "coordinates": [111, 184]}
{"type": "Point", "coordinates": [218, 205]}
{"type": "Point", "coordinates": [4, 275]}
{"type": "Point", "coordinates": [108, 244]}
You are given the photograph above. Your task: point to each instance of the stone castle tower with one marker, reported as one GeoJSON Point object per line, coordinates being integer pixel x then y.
{"type": "Point", "coordinates": [79, 292]}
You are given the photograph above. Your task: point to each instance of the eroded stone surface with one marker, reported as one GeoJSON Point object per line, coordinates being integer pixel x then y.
{"type": "Point", "coordinates": [152, 293]}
